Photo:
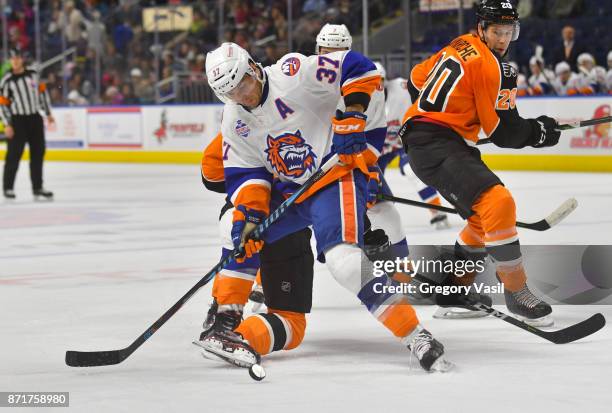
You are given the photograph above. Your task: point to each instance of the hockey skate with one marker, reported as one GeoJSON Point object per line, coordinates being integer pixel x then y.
{"type": "Point", "coordinates": [9, 195]}
{"type": "Point", "coordinates": [42, 195]}
{"type": "Point", "coordinates": [428, 350]}
{"type": "Point", "coordinates": [257, 297]}
{"type": "Point", "coordinates": [439, 221]}
{"type": "Point", "coordinates": [529, 308]}
{"type": "Point", "coordinates": [220, 342]}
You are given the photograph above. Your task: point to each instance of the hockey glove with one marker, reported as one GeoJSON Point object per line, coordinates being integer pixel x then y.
{"type": "Point", "coordinates": [549, 135]}
{"type": "Point", "coordinates": [349, 137]}
{"type": "Point", "coordinates": [245, 221]}
{"type": "Point", "coordinates": [374, 185]}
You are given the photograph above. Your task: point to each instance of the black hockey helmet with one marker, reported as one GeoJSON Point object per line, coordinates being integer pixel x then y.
{"type": "Point", "coordinates": [498, 12]}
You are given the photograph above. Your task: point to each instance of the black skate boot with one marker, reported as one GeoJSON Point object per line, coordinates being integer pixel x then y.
{"type": "Point", "coordinates": [223, 320]}
{"type": "Point", "coordinates": [43, 195]}
{"type": "Point", "coordinates": [9, 194]}
{"type": "Point", "coordinates": [220, 342]}
{"type": "Point", "coordinates": [210, 316]}
{"type": "Point", "coordinates": [529, 308]}
{"type": "Point", "coordinates": [428, 350]}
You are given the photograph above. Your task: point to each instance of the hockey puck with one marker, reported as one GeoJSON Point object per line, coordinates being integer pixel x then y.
{"type": "Point", "coordinates": [257, 372]}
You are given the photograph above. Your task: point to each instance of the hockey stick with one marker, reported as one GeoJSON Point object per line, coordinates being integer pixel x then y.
{"type": "Point", "coordinates": [566, 335]}
{"type": "Point", "coordinates": [105, 358]}
{"type": "Point", "coordinates": [567, 126]}
{"type": "Point", "coordinates": [550, 221]}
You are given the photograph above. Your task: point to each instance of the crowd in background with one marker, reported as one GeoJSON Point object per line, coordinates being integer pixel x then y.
{"type": "Point", "coordinates": [112, 33]}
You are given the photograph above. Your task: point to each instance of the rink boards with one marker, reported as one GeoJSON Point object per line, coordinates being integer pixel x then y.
{"type": "Point", "coordinates": [178, 134]}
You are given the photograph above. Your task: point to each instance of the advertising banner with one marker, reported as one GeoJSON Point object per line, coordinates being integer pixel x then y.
{"type": "Point", "coordinates": [114, 127]}
{"type": "Point", "coordinates": [69, 129]}
{"type": "Point", "coordinates": [180, 127]}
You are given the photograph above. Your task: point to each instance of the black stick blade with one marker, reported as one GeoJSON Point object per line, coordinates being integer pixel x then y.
{"type": "Point", "coordinates": [93, 358]}
{"type": "Point", "coordinates": [583, 329]}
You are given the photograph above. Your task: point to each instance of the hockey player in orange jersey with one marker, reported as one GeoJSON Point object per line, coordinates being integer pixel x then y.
{"type": "Point", "coordinates": [464, 87]}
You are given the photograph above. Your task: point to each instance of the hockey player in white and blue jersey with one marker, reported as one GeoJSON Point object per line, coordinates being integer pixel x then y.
{"type": "Point", "coordinates": [397, 101]}
{"type": "Point", "coordinates": [281, 122]}
{"type": "Point", "coordinates": [382, 215]}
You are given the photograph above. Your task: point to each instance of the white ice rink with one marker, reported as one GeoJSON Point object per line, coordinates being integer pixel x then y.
{"type": "Point", "coordinates": [121, 243]}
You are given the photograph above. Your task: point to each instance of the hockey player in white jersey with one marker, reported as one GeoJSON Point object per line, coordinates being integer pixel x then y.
{"type": "Point", "coordinates": [279, 122]}
{"type": "Point", "coordinates": [381, 215]}
{"type": "Point", "coordinates": [592, 77]}
{"type": "Point", "coordinates": [397, 101]}
{"type": "Point", "coordinates": [540, 79]}
{"type": "Point", "coordinates": [566, 83]}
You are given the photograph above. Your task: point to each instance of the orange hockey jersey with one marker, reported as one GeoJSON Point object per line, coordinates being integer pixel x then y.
{"type": "Point", "coordinates": [466, 87]}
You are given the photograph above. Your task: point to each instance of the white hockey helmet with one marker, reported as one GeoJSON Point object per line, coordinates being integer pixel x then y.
{"type": "Point", "coordinates": [562, 67]}
{"type": "Point", "coordinates": [336, 36]}
{"type": "Point", "coordinates": [536, 61]}
{"type": "Point", "coordinates": [585, 58]}
{"type": "Point", "coordinates": [225, 68]}
{"type": "Point", "coordinates": [381, 69]}
{"type": "Point", "coordinates": [610, 58]}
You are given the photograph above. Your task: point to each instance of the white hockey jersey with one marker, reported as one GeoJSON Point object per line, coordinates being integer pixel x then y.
{"type": "Point", "coordinates": [571, 87]}
{"type": "Point", "coordinates": [398, 102]}
{"type": "Point", "coordinates": [593, 81]}
{"type": "Point", "coordinates": [539, 83]}
{"type": "Point", "coordinates": [289, 135]}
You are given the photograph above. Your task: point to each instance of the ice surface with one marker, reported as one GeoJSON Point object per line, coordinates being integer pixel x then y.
{"type": "Point", "coordinates": [122, 243]}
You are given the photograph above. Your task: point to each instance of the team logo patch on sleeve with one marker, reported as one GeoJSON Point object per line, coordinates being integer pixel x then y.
{"type": "Point", "coordinates": [242, 129]}
{"type": "Point", "coordinates": [290, 66]}
{"type": "Point", "coordinates": [289, 155]}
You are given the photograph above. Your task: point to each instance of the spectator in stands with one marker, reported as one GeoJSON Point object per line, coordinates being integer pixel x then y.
{"type": "Point", "coordinates": [129, 98]}
{"type": "Point", "coordinates": [113, 96]}
{"type": "Point", "coordinates": [280, 23]}
{"type": "Point", "coordinates": [271, 55]}
{"type": "Point", "coordinates": [96, 33]}
{"type": "Point", "coordinates": [566, 82]}
{"type": "Point", "coordinates": [72, 21]}
{"type": "Point", "coordinates": [539, 81]}
{"type": "Point", "coordinates": [592, 77]}
{"type": "Point", "coordinates": [569, 49]}
{"type": "Point", "coordinates": [75, 99]}
{"type": "Point", "coordinates": [122, 36]}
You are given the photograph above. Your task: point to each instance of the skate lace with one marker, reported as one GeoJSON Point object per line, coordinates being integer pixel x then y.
{"type": "Point", "coordinates": [526, 298]}
{"type": "Point", "coordinates": [421, 344]}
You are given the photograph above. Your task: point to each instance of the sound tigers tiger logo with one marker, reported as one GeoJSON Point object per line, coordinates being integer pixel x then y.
{"type": "Point", "coordinates": [290, 155]}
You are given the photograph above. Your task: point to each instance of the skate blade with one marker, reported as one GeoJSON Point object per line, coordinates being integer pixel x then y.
{"type": "Point", "coordinates": [457, 314]}
{"type": "Point", "coordinates": [214, 354]}
{"type": "Point", "coordinates": [441, 365]}
{"type": "Point", "coordinates": [546, 321]}
{"type": "Point", "coordinates": [38, 198]}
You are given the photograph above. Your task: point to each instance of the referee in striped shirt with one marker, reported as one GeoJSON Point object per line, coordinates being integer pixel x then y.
{"type": "Point", "coordinates": [22, 98]}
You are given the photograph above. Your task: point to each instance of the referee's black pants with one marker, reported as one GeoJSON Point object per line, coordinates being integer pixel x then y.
{"type": "Point", "coordinates": [28, 129]}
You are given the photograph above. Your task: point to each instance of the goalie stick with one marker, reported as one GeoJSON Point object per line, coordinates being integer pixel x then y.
{"type": "Point", "coordinates": [550, 221]}
{"type": "Point", "coordinates": [568, 126]}
{"type": "Point", "coordinates": [109, 357]}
